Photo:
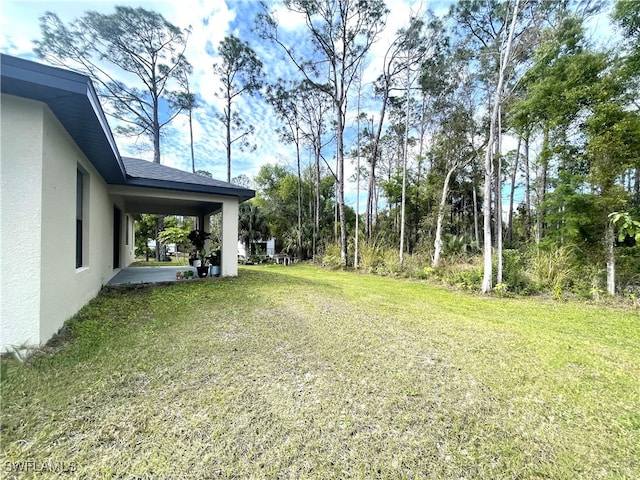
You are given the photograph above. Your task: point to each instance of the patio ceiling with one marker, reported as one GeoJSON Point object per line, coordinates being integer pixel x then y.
{"type": "Point", "coordinates": [139, 200]}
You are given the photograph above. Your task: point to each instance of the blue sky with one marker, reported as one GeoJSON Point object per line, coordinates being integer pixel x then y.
{"type": "Point", "coordinates": [211, 21]}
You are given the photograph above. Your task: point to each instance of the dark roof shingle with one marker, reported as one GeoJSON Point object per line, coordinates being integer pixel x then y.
{"type": "Point", "coordinates": [145, 173]}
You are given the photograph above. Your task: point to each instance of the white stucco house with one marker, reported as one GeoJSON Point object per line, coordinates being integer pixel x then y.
{"type": "Point", "coordinates": [68, 200]}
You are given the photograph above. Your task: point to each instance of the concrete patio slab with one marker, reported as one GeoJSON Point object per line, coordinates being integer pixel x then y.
{"type": "Point", "coordinates": [148, 274]}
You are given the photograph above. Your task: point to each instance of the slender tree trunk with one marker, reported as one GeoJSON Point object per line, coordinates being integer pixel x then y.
{"type": "Point", "coordinates": [512, 191]}
{"type": "Point", "coordinates": [191, 105]}
{"type": "Point", "coordinates": [498, 173]}
{"type": "Point", "coordinates": [193, 157]}
{"type": "Point", "coordinates": [476, 230]}
{"type": "Point", "coordinates": [499, 238]}
{"type": "Point", "coordinates": [611, 259]}
{"type": "Point", "coordinates": [527, 185]}
{"type": "Point", "coordinates": [443, 201]}
{"type": "Point", "coordinates": [156, 159]}
{"type": "Point", "coordinates": [156, 134]}
{"type": "Point", "coordinates": [340, 187]}
{"type": "Point", "coordinates": [316, 227]}
{"type": "Point", "coordinates": [371, 197]}
{"type": "Point", "coordinates": [416, 211]}
{"type": "Point", "coordinates": [336, 220]}
{"type": "Point", "coordinates": [487, 280]}
{"type": "Point", "coordinates": [357, 239]}
{"type": "Point", "coordinates": [299, 196]}
{"type": "Point", "coordinates": [370, 201]}
{"type": "Point", "coordinates": [404, 175]}
{"type": "Point", "coordinates": [250, 234]}
{"type": "Point", "coordinates": [228, 122]}
{"type": "Point", "coordinates": [544, 165]}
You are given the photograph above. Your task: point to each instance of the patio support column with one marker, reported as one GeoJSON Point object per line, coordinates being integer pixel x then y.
{"type": "Point", "coordinates": [205, 222]}
{"type": "Point", "coordinates": [229, 247]}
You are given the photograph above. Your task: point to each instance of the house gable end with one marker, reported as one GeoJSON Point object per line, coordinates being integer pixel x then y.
{"type": "Point", "coordinates": [73, 100]}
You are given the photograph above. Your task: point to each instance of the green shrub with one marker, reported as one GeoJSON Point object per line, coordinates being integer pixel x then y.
{"type": "Point", "coordinates": [467, 279]}
{"type": "Point", "coordinates": [588, 282]}
{"type": "Point", "coordinates": [513, 273]}
{"type": "Point", "coordinates": [429, 272]}
{"type": "Point", "coordinates": [415, 264]}
{"type": "Point", "coordinates": [370, 257]}
{"type": "Point", "coordinates": [390, 264]}
{"type": "Point", "coordinates": [467, 274]}
{"type": "Point", "coordinates": [552, 268]}
{"type": "Point", "coordinates": [332, 256]}
{"type": "Point", "coordinates": [628, 268]}
{"type": "Point", "coordinates": [458, 245]}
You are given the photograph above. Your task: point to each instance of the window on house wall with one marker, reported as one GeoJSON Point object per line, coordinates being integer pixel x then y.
{"type": "Point", "coordinates": [82, 218]}
{"type": "Point", "coordinates": [126, 236]}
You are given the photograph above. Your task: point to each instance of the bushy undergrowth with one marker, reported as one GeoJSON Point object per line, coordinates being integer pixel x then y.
{"type": "Point", "coordinates": [332, 256]}
{"type": "Point", "coordinates": [558, 271]}
{"type": "Point", "coordinates": [552, 268]}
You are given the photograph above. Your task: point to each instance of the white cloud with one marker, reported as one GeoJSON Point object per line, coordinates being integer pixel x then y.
{"type": "Point", "coordinates": [287, 20]}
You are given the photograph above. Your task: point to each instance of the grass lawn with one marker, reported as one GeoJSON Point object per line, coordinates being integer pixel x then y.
{"type": "Point", "coordinates": [301, 372]}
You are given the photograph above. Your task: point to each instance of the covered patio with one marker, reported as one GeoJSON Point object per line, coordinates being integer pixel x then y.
{"type": "Point", "coordinates": [161, 190]}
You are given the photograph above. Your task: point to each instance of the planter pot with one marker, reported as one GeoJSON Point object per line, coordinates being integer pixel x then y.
{"type": "Point", "coordinates": [214, 270]}
{"type": "Point", "coordinates": [202, 271]}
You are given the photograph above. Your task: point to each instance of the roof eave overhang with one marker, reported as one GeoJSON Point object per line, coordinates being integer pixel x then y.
{"type": "Point", "coordinates": [73, 100]}
{"type": "Point", "coordinates": [241, 193]}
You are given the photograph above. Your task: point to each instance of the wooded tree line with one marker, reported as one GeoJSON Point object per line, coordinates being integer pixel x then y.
{"type": "Point", "coordinates": [501, 130]}
{"type": "Point", "coordinates": [498, 146]}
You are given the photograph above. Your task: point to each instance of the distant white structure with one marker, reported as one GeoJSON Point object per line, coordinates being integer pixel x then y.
{"type": "Point", "coordinates": [260, 247]}
{"type": "Point", "coordinates": [172, 248]}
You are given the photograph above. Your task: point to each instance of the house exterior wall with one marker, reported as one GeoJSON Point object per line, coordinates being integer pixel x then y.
{"type": "Point", "coordinates": [39, 167]}
{"type": "Point", "coordinates": [65, 288]}
{"type": "Point", "coordinates": [20, 216]}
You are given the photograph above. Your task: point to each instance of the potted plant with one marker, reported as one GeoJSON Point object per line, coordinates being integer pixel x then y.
{"type": "Point", "coordinates": [214, 261]}
{"type": "Point", "coordinates": [186, 275]}
{"type": "Point", "coordinates": [198, 239]}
